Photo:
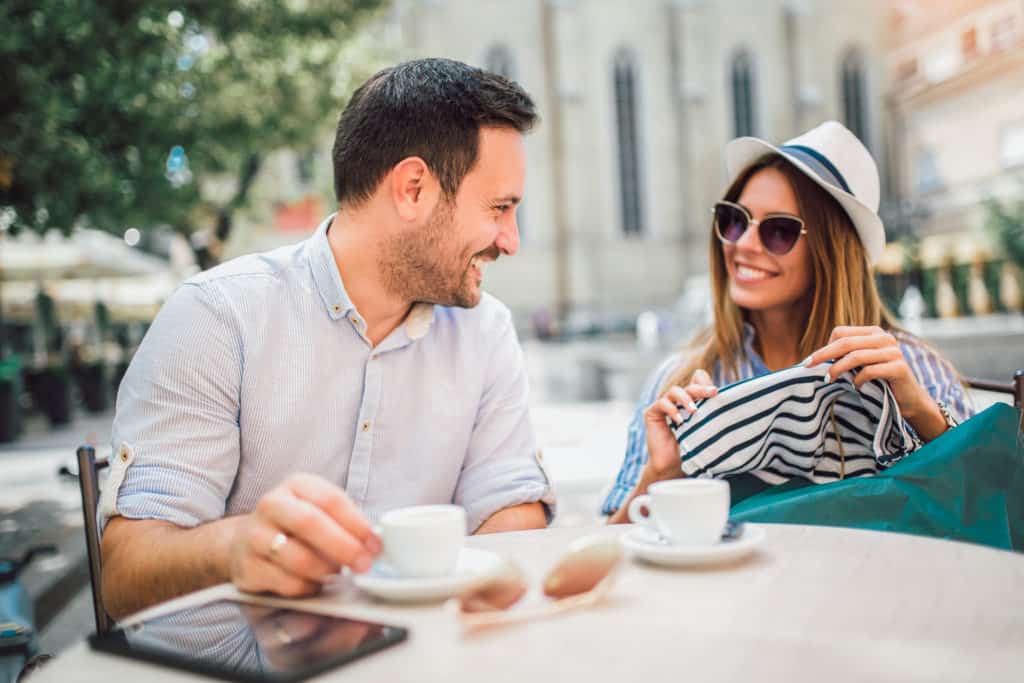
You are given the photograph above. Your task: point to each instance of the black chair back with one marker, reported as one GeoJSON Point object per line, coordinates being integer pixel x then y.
{"type": "Point", "coordinates": [1014, 388]}
{"type": "Point", "coordinates": [89, 484]}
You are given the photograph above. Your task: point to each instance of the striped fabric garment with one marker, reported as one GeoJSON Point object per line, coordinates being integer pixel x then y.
{"type": "Point", "coordinates": [795, 423]}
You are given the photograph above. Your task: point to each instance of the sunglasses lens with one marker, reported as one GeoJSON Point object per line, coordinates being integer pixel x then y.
{"type": "Point", "coordinates": [587, 563]}
{"type": "Point", "coordinates": [494, 594]}
{"type": "Point", "coordinates": [731, 222]}
{"type": "Point", "coordinates": [779, 234]}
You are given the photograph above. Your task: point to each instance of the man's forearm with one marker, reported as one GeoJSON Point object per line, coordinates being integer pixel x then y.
{"type": "Point", "coordinates": [515, 518]}
{"type": "Point", "coordinates": [149, 561]}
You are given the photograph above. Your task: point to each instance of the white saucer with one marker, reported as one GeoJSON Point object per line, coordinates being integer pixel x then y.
{"type": "Point", "coordinates": [382, 583]}
{"type": "Point", "coordinates": [648, 546]}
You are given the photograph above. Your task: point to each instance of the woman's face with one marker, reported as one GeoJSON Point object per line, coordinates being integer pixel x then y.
{"type": "Point", "coordinates": [758, 279]}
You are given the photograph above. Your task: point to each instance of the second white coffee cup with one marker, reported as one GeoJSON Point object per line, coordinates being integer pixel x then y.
{"type": "Point", "coordinates": [685, 512]}
{"type": "Point", "coordinates": [424, 540]}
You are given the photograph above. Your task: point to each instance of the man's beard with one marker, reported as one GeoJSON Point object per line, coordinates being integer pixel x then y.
{"type": "Point", "coordinates": [423, 267]}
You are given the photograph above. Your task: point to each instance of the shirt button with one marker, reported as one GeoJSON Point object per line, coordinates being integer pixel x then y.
{"type": "Point", "coordinates": [336, 308]}
{"type": "Point", "coordinates": [366, 426]}
{"type": "Point", "coordinates": [375, 356]}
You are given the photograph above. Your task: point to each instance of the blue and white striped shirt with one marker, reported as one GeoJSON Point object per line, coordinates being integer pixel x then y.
{"type": "Point", "coordinates": [934, 373]}
{"type": "Point", "coordinates": [261, 367]}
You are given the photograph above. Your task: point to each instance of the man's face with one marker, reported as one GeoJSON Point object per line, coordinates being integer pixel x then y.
{"type": "Point", "coordinates": [443, 261]}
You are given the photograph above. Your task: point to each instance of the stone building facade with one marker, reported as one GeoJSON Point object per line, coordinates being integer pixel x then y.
{"type": "Point", "coordinates": [637, 100]}
{"type": "Point", "coordinates": [956, 108]}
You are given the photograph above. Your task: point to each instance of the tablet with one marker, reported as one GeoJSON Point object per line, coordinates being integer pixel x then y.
{"type": "Point", "coordinates": [236, 641]}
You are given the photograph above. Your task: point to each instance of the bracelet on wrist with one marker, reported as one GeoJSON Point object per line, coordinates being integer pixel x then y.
{"type": "Point", "coordinates": [951, 422]}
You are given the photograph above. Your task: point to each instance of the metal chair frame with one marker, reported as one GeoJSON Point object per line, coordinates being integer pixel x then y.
{"type": "Point", "coordinates": [1014, 388]}
{"type": "Point", "coordinates": [88, 481]}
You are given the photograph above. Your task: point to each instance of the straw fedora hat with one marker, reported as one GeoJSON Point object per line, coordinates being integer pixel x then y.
{"type": "Point", "coordinates": [835, 159]}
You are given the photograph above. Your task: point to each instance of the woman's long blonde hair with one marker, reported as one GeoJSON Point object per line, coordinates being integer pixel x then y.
{"type": "Point", "coordinates": [842, 289]}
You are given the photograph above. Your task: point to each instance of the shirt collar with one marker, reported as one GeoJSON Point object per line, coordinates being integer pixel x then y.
{"type": "Point", "coordinates": [332, 289]}
{"type": "Point", "coordinates": [419, 320]}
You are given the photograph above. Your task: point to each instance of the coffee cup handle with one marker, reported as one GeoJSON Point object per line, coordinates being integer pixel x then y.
{"type": "Point", "coordinates": [637, 516]}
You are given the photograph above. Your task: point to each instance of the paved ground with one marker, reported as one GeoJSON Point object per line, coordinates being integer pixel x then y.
{"type": "Point", "coordinates": [28, 476]}
{"type": "Point", "coordinates": [85, 429]}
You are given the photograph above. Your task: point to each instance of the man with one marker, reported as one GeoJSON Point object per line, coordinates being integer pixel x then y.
{"type": "Point", "coordinates": [282, 402]}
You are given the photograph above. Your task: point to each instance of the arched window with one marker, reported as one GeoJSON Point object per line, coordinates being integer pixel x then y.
{"type": "Point", "coordinates": [624, 74]}
{"type": "Point", "coordinates": [499, 60]}
{"type": "Point", "coordinates": [854, 100]}
{"type": "Point", "coordinates": [744, 112]}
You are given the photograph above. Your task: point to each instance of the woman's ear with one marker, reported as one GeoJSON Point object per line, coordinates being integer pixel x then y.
{"type": "Point", "coordinates": [413, 189]}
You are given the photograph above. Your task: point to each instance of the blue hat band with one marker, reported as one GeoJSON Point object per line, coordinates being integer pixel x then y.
{"type": "Point", "coordinates": [818, 163]}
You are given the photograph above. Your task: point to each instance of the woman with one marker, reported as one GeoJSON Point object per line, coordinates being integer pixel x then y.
{"type": "Point", "coordinates": [791, 248]}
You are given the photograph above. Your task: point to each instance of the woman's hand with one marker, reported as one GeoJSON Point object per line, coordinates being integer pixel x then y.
{"type": "Point", "coordinates": [878, 356]}
{"type": "Point", "coordinates": [662, 448]}
{"type": "Point", "coordinates": [663, 460]}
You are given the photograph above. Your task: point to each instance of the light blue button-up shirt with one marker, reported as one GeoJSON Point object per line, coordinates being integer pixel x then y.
{"type": "Point", "coordinates": [260, 367]}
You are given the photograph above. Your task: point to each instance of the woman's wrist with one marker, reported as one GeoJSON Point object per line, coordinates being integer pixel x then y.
{"type": "Point", "coordinates": [927, 420]}
{"type": "Point", "coordinates": [650, 475]}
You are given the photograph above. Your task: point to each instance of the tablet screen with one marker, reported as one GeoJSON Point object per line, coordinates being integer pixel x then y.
{"type": "Point", "coordinates": [244, 642]}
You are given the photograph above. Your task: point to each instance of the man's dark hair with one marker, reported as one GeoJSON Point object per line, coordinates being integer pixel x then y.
{"type": "Point", "coordinates": [430, 108]}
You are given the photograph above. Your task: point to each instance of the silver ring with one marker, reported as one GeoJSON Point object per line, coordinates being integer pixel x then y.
{"type": "Point", "coordinates": [278, 542]}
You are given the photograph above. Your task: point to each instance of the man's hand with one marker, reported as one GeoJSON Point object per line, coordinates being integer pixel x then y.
{"type": "Point", "coordinates": [322, 531]}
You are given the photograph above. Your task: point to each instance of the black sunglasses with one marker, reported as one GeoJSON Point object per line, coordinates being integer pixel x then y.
{"type": "Point", "coordinates": [778, 231]}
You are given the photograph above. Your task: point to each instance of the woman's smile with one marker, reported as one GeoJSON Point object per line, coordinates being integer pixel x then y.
{"type": "Point", "coordinates": [746, 273]}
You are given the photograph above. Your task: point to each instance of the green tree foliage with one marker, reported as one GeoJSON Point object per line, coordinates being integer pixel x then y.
{"type": "Point", "coordinates": [117, 114]}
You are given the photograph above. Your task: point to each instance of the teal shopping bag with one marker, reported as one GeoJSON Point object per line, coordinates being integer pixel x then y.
{"type": "Point", "coordinates": [966, 485]}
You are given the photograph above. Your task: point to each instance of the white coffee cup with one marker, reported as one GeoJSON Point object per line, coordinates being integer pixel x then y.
{"type": "Point", "coordinates": [424, 540]}
{"type": "Point", "coordinates": [685, 512]}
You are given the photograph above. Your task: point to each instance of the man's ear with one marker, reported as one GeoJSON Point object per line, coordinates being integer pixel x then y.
{"type": "Point", "coordinates": [414, 189]}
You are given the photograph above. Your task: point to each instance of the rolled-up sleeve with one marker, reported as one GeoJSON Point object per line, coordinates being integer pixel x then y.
{"type": "Point", "coordinates": [176, 427]}
{"type": "Point", "coordinates": [937, 376]}
{"type": "Point", "coordinates": [502, 466]}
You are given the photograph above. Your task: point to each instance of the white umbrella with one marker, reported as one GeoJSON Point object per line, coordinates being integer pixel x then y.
{"type": "Point", "coordinates": [86, 253]}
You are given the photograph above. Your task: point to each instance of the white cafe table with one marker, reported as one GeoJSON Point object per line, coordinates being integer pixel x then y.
{"type": "Point", "coordinates": [814, 604]}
